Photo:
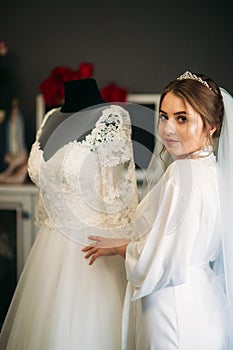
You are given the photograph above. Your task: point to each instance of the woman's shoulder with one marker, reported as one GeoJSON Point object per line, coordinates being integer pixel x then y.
{"type": "Point", "coordinates": [192, 163]}
{"type": "Point", "coordinates": [191, 170]}
{"type": "Point", "coordinates": [178, 166]}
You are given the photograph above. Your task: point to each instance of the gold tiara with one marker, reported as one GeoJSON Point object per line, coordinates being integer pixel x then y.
{"type": "Point", "coordinates": [189, 75]}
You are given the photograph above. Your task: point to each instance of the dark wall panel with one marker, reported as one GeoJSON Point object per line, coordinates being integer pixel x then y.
{"type": "Point", "coordinates": [139, 47]}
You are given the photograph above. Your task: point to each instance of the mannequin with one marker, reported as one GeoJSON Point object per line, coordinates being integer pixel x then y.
{"type": "Point", "coordinates": [83, 94]}
{"type": "Point", "coordinates": [79, 94]}
{"type": "Point", "coordinates": [60, 303]}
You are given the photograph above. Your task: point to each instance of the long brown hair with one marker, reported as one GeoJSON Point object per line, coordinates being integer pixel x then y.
{"type": "Point", "coordinates": [205, 101]}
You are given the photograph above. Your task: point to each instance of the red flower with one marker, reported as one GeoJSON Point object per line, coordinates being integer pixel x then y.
{"type": "Point", "coordinates": [62, 73]}
{"type": "Point", "coordinates": [113, 93]}
{"type": "Point", "coordinates": [52, 88]}
{"type": "Point", "coordinates": [52, 92]}
{"type": "Point", "coordinates": [86, 70]}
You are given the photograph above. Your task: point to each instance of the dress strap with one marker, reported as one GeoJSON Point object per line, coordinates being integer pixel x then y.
{"type": "Point", "coordinates": [46, 117]}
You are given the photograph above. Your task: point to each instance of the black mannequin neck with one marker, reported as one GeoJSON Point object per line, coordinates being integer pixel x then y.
{"type": "Point", "coordinates": [80, 94]}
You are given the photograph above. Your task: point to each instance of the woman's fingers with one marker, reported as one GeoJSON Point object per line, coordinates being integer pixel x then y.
{"type": "Point", "coordinates": [90, 251]}
{"type": "Point", "coordinates": [87, 248]}
{"type": "Point", "coordinates": [95, 238]}
{"type": "Point", "coordinates": [92, 260]}
{"type": "Point", "coordinates": [94, 254]}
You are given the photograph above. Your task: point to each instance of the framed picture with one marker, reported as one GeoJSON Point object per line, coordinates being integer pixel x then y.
{"type": "Point", "coordinates": [40, 110]}
{"type": "Point", "coordinates": [147, 100]}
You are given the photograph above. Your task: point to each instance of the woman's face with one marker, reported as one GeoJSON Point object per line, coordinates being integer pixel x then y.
{"type": "Point", "coordinates": [180, 127]}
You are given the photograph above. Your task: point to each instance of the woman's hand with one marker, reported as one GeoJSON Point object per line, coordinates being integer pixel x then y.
{"type": "Point", "coordinates": [104, 247]}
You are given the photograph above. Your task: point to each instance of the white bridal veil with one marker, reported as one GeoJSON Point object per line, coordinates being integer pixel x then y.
{"type": "Point", "coordinates": [225, 161]}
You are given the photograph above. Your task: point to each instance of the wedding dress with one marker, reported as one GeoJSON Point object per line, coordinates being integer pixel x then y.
{"type": "Point", "coordinates": [61, 302]}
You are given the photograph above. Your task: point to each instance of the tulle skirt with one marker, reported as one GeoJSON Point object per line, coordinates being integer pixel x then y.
{"type": "Point", "coordinates": [63, 303]}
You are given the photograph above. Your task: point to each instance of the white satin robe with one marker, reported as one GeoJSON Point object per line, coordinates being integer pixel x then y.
{"type": "Point", "coordinates": [174, 300]}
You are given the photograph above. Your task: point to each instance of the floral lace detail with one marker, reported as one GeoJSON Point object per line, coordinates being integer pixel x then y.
{"type": "Point", "coordinates": [111, 138]}
{"type": "Point", "coordinates": [41, 216]}
{"type": "Point", "coordinates": [104, 196]}
{"type": "Point", "coordinates": [34, 164]}
{"type": "Point", "coordinates": [35, 156]}
{"type": "Point", "coordinates": [120, 200]}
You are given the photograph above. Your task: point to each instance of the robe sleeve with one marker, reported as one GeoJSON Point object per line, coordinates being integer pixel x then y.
{"type": "Point", "coordinates": [160, 258]}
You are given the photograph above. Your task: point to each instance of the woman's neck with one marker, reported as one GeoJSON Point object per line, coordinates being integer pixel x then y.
{"type": "Point", "coordinates": [205, 151]}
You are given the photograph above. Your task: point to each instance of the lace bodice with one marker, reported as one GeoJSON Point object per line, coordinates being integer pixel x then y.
{"type": "Point", "coordinates": [89, 184]}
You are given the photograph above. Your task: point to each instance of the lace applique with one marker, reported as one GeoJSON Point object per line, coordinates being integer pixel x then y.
{"type": "Point", "coordinates": [34, 160]}
{"type": "Point", "coordinates": [34, 165]}
{"type": "Point", "coordinates": [107, 197]}
{"type": "Point", "coordinates": [41, 216]}
{"type": "Point", "coordinates": [120, 198]}
{"type": "Point", "coordinates": [111, 138]}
